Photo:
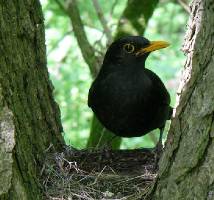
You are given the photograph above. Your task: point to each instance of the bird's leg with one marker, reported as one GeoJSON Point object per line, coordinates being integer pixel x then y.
{"type": "Point", "coordinates": [159, 147]}
{"type": "Point", "coordinates": [106, 149]}
{"type": "Point", "coordinates": [107, 145]}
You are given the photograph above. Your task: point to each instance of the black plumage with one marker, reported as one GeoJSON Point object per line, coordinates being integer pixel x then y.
{"type": "Point", "coordinates": [127, 98]}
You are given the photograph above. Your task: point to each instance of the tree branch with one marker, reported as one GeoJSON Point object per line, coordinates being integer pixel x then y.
{"type": "Point", "coordinates": [61, 5]}
{"type": "Point", "coordinates": [184, 5]}
{"type": "Point", "coordinates": [103, 21]}
{"type": "Point", "coordinates": [135, 17]}
{"type": "Point", "coordinates": [113, 7]}
{"type": "Point", "coordinates": [78, 28]}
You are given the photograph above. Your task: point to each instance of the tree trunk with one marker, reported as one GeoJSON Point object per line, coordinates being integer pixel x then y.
{"type": "Point", "coordinates": [187, 165]}
{"type": "Point", "coordinates": [29, 117]}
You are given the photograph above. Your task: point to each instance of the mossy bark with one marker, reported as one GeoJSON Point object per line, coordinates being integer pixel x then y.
{"type": "Point", "coordinates": [187, 165]}
{"type": "Point", "coordinates": [29, 117]}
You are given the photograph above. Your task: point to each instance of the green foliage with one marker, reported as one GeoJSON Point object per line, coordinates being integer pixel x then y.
{"type": "Point", "coordinates": [71, 76]}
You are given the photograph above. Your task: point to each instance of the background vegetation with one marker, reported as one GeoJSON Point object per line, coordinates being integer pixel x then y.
{"type": "Point", "coordinates": [71, 76]}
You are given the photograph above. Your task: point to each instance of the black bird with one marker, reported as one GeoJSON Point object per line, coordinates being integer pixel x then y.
{"type": "Point", "coordinates": [127, 98]}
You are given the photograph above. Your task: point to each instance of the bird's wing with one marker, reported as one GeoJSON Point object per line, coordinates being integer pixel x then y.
{"type": "Point", "coordinates": [90, 94]}
{"type": "Point", "coordinates": [162, 95]}
{"type": "Point", "coordinates": [94, 93]}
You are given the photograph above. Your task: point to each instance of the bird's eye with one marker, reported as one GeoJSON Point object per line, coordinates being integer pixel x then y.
{"type": "Point", "coordinates": [129, 48]}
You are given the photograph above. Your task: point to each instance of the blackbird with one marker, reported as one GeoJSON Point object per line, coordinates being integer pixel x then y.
{"type": "Point", "coordinates": [127, 98]}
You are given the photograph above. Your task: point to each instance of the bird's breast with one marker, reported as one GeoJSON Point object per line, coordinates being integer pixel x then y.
{"type": "Point", "coordinates": [126, 104]}
{"type": "Point", "coordinates": [123, 91]}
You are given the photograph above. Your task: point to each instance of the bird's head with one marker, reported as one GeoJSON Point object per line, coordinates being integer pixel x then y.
{"type": "Point", "coordinates": [131, 49]}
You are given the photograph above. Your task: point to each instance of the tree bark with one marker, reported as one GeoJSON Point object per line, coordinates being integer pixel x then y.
{"type": "Point", "coordinates": [29, 117]}
{"type": "Point", "coordinates": [187, 165]}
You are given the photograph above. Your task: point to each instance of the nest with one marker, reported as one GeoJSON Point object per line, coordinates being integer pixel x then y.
{"type": "Point", "coordinates": [101, 174]}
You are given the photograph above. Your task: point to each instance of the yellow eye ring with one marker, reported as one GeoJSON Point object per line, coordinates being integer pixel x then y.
{"type": "Point", "coordinates": [129, 48]}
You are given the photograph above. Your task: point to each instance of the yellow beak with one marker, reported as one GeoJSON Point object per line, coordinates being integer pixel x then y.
{"type": "Point", "coordinates": [154, 45]}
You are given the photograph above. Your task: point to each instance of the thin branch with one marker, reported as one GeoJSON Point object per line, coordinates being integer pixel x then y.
{"type": "Point", "coordinates": [184, 5]}
{"type": "Point", "coordinates": [61, 5]}
{"type": "Point", "coordinates": [87, 50]}
{"type": "Point", "coordinates": [98, 43]}
{"type": "Point", "coordinates": [103, 21]}
{"type": "Point", "coordinates": [129, 24]}
{"type": "Point", "coordinates": [113, 7]}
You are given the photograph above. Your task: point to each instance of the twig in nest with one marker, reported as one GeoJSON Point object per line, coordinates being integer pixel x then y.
{"type": "Point", "coordinates": [66, 175]}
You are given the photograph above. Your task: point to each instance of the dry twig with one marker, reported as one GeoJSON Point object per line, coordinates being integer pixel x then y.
{"type": "Point", "coordinates": [82, 175]}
